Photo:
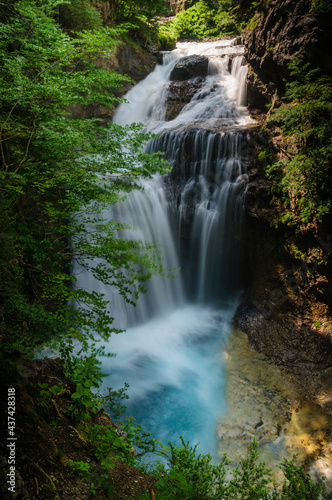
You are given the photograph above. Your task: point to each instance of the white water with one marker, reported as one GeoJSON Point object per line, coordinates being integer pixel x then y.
{"type": "Point", "coordinates": [221, 100]}
{"type": "Point", "coordinates": [171, 352]}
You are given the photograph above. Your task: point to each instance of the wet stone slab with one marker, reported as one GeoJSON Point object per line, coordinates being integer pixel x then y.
{"type": "Point", "coordinates": [262, 403]}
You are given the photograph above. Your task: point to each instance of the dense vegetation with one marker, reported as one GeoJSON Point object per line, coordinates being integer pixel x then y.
{"type": "Point", "coordinates": [185, 474]}
{"type": "Point", "coordinates": [51, 167]}
{"type": "Point", "coordinates": [201, 20]}
{"type": "Point", "coordinates": [303, 179]}
{"type": "Point", "coordinates": [217, 18]}
{"type": "Point", "coordinates": [210, 19]}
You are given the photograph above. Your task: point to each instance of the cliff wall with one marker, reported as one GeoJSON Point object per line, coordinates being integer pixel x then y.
{"type": "Point", "coordinates": [287, 302]}
{"type": "Point", "coordinates": [284, 31]}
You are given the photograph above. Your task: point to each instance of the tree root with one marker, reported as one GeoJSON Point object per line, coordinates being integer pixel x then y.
{"type": "Point", "coordinates": [48, 478]}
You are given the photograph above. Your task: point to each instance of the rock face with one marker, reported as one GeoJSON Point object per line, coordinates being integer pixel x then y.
{"type": "Point", "coordinates": [190, 67]}
{"type": "Point", "coordinates": [187, 77]}
{"type": "Point", "coordinates": [287, 300]}
{"type": "Point", "coordinates": [137, 63]}
{"type": "Point", "coordinates": [180, 94]}
{"type": "Point", "coordinates": [287, 303]}
{"type": "Point", "coordinates": [286, 30]}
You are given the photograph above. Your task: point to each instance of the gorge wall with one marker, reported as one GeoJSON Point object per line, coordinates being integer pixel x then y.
{"type": "Point", "coordinates": [284, 31]}
{"type": "Point", "coordinates": [286, 310]}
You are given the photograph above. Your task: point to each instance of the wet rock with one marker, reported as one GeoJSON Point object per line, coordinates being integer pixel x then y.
{"type": "Point", "coordinates": [155, 52]}
{"type": "Point", "coordinates": [189, 67]}
{"type": "Point", "coordinates": [238, 41]}
{"type": "Point", "coordinates": [287, 341]}
{"type": "Point", "coordinates": [282, 302]}
{"type": "Point", "coordinates": [135, 62]}
{"type": "Point", "coordinates": [258, 94]}
{"type": "Point", "coordinates": [179, 94]}
{"type": "Point", "coordinates": [262, 401]}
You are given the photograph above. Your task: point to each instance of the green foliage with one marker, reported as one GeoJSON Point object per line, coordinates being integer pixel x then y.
{"type": "Point", "coordinates": [299, 485]}
{"type": "Point", "coordinates": [51, 168]}
{"type": "Point", "coordinates": [126, 9]}
{"type": "Point", "coordinates": [264, 156]}
{"type": "Point", "coordinates": [111, 445]}
{"type": "Point", "coordinates": [167, 35]}
{"type": "Point", "coordinates": [304, 180]}
{"type": "Point", "coordinates": [201, 20]}
{"type": "Point", "coordinates": [321, 6]}
{"type": "Point", "coordinates": [212, 18]}
{"type": "Point", "coordinates": [77, 15]}
{"type": "Point", "coordinates": [141, 18]}
{"type": "Point", "coordinates": [126, 441]}
{"type": "Point", "coordinates": [84, 371]}
{"type": "Point", "coordinates": [83, 468]}
{"type": "Point", "coordinates": [226, 23]}
{"type": "Point", "coordinates": [113, 401]}
{"type": "Point", "coordinates": [253, 22]}
{"type": "Point", "coordinates": [46, 392]}
{"type": "Point", "coordinates": [196, 22]}
{"type": "Point", "coordinates": [188, 475]}
{"type": "Point", "coordinates": [192, 477]}
{"type": "Point", "coordinates": [250, 479]}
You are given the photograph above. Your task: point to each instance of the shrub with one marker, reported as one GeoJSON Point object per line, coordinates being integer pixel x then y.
{"type": "Point", "coordinates": [200, 21]}
{"type": "Point", "coordinates": [304, 179]}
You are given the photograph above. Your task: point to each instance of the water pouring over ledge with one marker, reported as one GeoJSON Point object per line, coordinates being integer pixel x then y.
{"type": "Point", "coordinates": [171, 352]}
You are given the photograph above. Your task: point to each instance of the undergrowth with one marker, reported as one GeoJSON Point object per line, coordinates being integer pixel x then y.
{"type": "Point", "coordinates": [302, 178]}
{"type": "Point", "coordinates": [180, 472]}
{"type": "Point", "coordinates": [202, 20]}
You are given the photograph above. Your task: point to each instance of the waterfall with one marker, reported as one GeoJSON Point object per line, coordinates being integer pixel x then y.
{"type": "Point", "coordinates": [171, 353]}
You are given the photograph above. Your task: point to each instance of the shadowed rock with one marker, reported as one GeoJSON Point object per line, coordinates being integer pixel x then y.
{"type": "Point", "coordinates": [189, 67]}
{"type": "Point", "coordinates": [180, 94]}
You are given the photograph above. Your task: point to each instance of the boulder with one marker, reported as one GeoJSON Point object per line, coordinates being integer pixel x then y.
{"type": "Point", "coordinates": [259, 94]}
{"type": "Point", "coordinates": [189, 67]}
{"type": "Point", "coordinates": [179, 94]}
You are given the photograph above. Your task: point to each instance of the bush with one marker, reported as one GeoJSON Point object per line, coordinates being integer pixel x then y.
{"type": "Point", "coordinates": [304, 179]}
{"type": "Point", "coordinates": [79, 15]}
{"type": "Point", "coordinates": [226, 23]}
{"type": "Point", "coordinates": [167, 35]}
{"type": "Point", "coordinates": [200, 21]}
{"type": "Point", "coordinates": [196, 22]}
{"type": "Point", "coordinates": [189, 476]}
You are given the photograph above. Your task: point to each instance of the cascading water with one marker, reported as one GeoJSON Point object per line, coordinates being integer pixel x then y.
{"type": "Point", "coordinates": [171, 352]}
